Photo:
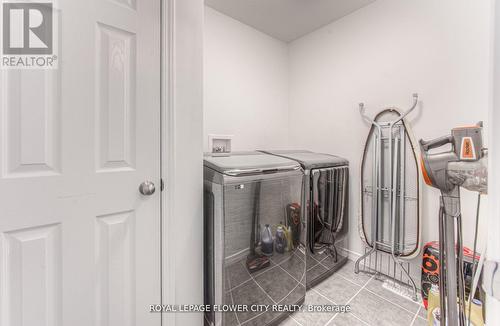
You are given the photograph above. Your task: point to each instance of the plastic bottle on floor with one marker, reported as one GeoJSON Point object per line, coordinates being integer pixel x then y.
{"type": "Point", "coordinates": [433, 303]}
{"type": "Point", "coordinates": [476, 312]}
{"type": "Point", "coordinates": [436, 317]}
{"type": "Point", "coordinates": [267, 242]}
{"type": "Point", "coordinates": [289, 238]}
{"type": "Point", "coordinates": [280, 242]}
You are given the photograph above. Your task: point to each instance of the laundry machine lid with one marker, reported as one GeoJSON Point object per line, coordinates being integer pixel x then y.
{"type": "Point", "coordinates": [310, 160]}
{"type": "Point", "coordinates": [244, 163]}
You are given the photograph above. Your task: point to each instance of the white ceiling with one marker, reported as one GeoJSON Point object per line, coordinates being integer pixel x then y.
{"type": "Point", "coordinates": [287, 20]}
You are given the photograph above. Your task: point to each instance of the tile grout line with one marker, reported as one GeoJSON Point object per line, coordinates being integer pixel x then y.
{"type": "Point", "coordinates": [291, 316]}
{"type": "Point", "coordinates": [324, 296]}
{"type": "Point", "coordinates": [361, 320]}
{"type": "Point", "coordinates": [349, 301]}
{"type": "Point", "coordinates": [390, 301]}
{"type": "Point", "coordinates": [298, 283]}
{"type": "Point", "coordinates": [318, 262]}
{"type": "Point", "coordinates": [348, 280]}
{"type": "Point", "coordinates": [324, 258]}
{"type": "Point", "coordinates": [357, 285]}
{"type": "Point", "coordinates": [261, 286]}
{"type": "Point", "coordinates": [272, 298]}
{"type": "Point", "coordinates": [252, 318]}
{"type": "Point", "coordinates": [232, 301]}
{"type": "Point", "coordinates": [393, 303]}
{"type": "Point", "coordinates": [317, 291]}
{"type": "Point", "coordinates": [303, 276]}
{"type": "Point", "coordinates": [321, 295]}
{"type": "Point", "coordinates": [251, 277]}
{"type": "Point", "coordinates": [363, 287]}
{"type": "Point", "coordinates": [295, 254]}
{"type": "Point", "coordinates": [237, 286]}
{"type": "Point", "coordinates": [279, 266]}
{"type": "Point", "coordinates": [338, 274]}
{"type": "Point", "coordinates": [310, 269]}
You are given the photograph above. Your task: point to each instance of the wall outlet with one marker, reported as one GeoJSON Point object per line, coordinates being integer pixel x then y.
{"type": "Point", "coordinates": [220, 143]}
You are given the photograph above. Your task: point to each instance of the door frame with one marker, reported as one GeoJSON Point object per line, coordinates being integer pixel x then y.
{"type": "Point", "coordinates": [493, 243]}
{"type": "Point", "coordinates": [182, 157]}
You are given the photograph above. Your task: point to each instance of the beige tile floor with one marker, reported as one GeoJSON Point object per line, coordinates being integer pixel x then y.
{"type": "Point", "coordinates": [371, 304]}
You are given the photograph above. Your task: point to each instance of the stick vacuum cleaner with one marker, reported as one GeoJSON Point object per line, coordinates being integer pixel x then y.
{"type": "Point", "coordinates": [448, 171]}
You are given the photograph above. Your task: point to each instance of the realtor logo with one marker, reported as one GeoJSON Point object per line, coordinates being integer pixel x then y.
{"type": "Point", "coordinates": [27, 28]}
{"type": "Point", "coordinates": [28, 35]}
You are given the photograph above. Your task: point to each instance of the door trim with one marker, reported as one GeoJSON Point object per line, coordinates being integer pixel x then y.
{"type": "Point", "coordinates": [167, 143]}
{"type": "Point", "coordinates": [493, 243]}
{"type": "Point", "coordinates": [182, 157]}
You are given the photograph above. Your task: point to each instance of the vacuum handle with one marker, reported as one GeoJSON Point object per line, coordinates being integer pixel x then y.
{"type": "Point", "coordinates": [438, 142]}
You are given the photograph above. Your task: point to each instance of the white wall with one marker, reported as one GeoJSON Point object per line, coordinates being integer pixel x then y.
{"type": "Point", "coordinates": [245, 84]}
{"type": "Point", "coordinates": [380, 55]}
{"type": "Point", "coordinates": [306, 94]}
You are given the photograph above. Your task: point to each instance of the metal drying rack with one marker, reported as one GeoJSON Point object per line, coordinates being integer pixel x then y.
{"type": "Point", "coordinates": [391, 192]}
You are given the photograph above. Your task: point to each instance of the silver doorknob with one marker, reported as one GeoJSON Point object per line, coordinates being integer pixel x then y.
{"type": "Point", "coordinates": [147, 188]}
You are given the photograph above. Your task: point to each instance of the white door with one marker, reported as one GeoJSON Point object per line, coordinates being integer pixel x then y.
{"type": "Point", "coordinates": [79, 245]}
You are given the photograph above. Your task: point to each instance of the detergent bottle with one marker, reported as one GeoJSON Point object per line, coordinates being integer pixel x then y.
{"type": "Point", "coordinates": [267, 242]}
{"type": "Point", "coordinates": [281, 242]}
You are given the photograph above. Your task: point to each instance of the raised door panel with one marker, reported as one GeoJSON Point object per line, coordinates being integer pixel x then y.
{"type": "Point", "coordinates": [116, 92]}
{"type": "Point", "coordinates": [31, 276]}
{"type": "Point", "coordinates": [31, 119]}
{"type": "Point", "coordinates": [115, 262]}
